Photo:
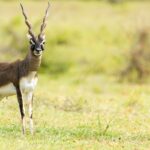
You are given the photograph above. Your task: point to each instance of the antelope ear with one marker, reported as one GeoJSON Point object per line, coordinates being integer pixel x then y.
{"type": "Point", "coordinates": [30, 39]}
{"type": "Point", "coordinates": [42, 38]}
{"type": "Point", "coordinates": [29, 36]}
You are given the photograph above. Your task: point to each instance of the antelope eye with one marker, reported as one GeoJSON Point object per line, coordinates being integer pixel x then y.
{"type": "Point", "coordinates": [31, 42]}
{"type": "Point", "coordinates": [42, 47]}
{"type": "Point", "coordinates": [42, 43]}
{"type": "Point", "coordinates": [32, 47]}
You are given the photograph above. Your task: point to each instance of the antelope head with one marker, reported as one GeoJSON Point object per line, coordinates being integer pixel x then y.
{"type": "Point", "coordinates": [36, 43]}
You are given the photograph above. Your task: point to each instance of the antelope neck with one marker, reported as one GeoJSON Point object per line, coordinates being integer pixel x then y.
{"type": "Point", "coordinates": [31, 62]}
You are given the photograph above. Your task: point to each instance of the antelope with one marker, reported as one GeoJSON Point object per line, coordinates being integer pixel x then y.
{"type": "Point", "coordinates": [20, 77]}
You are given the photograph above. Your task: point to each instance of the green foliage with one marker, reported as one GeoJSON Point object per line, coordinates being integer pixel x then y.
{"type": "Point", "coordinates": [81, 41]}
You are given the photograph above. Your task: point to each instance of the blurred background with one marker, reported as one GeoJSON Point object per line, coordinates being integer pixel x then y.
{"type": "Point", "coordinates": [93, 90]}
{"type": "Point", "coordinates": [83, 37]}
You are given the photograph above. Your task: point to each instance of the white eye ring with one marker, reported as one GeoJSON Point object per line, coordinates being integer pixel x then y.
{"type": "Point", "coordinates": [32, 42]}
{"type": "Point", "coordinates": [42, 43]}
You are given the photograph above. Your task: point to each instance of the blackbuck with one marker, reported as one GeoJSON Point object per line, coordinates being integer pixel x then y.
{"type": "Point", "coordinates": [20, 77]}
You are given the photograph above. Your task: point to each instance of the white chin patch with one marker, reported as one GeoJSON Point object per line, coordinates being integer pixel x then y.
{"type": "Point", "coordinates": [37, 54]}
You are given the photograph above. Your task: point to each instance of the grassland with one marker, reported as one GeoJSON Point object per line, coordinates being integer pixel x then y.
{"type": "Point", "coordinates": [79, 104]}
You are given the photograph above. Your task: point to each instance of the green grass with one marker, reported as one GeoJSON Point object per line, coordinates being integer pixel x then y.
{"type": "Point", "coordinates": [96, 113]}
{"type": "Point", "coordinates": [78, 104]}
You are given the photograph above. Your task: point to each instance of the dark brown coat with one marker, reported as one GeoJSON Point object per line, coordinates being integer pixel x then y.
{"type": "Point", "coordinates": [13, 72]}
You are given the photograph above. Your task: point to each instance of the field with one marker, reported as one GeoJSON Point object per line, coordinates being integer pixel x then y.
{"type": "Point", "coordinates": [79, 103]}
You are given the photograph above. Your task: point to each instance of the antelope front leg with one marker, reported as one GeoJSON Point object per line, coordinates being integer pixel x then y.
{"type": "Point", "coordinates": [29, 99]}
{"type": "Point", "coordinates": [21, 107]}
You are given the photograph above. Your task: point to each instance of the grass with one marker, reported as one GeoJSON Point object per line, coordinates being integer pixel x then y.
{"type": "Point", "coordinates": [79, 104]}
{"type": "Point", "coordinates": [70, 115]}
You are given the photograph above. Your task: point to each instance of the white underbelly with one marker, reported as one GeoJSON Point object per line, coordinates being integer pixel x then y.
{"type": "Point", "coordinates": [7, 90]}
{"type": "Point", "coordinates": [27, 85]}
